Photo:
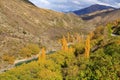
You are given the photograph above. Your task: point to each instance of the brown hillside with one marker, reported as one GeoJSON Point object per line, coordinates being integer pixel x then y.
{"type": "Point", "coordinates": [22, 23]}
{"type": "Point", "coordinates": [102, 17]}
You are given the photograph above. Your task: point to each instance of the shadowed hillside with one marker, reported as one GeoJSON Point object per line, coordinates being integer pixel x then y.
{"type": "Point", "coordinates": [101, 18]}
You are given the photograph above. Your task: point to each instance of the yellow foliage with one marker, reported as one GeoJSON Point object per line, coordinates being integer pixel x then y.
{"type": "Point", "coordinates": [59, 41]}
{"type": "Point", "coordinates": [30, 49]}
{"type": "Point", "coordinates": [8, 58]}
{"type": "Point", "coordinates": [42, 56]}
{"type": "Point", "coordinates": [34, 48]}
{"type": "Point", "coordinates": [64, 44]}
{"type": "Point", "coordinates": [46, 74]}
{"type": "Point", "coordinates": [71, 50]}
{"type": "Point", "coordinates": [25, 52]}
{"type": "Point", "coordinates": [87, 47]}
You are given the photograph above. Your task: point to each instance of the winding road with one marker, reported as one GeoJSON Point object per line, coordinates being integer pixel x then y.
{"type": "Point", "coordinates": [27, 60]}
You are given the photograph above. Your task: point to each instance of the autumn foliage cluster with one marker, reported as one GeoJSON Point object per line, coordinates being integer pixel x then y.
{"type": "Point", "coordinates": [91, 58]}
{"type": "Point", "coordinates": [65, 42]}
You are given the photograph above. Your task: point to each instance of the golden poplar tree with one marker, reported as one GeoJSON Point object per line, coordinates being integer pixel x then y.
{"type": "Point", "coordinates": [64, 44]}
{"type": "Point", "coordinates": [42, 56]}
{"type": "Point", "coordinates": [87, 47]}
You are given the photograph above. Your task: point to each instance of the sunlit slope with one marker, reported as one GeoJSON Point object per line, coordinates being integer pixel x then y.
{"type": "Point", "coordinates": [23, 23]}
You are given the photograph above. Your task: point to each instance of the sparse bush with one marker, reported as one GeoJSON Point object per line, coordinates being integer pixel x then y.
{"type": "Point", "coordinates": [25, 52]}
{"type": "Point", "coordinates": [34, 48]}
{"type": "Point", "coordinates": [79, 48]}
{"type": "Point", "coordinates": [99, 31]}
{"type": "Point", "coordinates": [30, 49]}
{"type": "Point", "coordinates": [8, 58]}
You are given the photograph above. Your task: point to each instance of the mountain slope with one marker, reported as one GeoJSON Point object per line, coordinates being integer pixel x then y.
{"type": "Point", "coordinates": [101, 63]}
{"type": "Point", "coordinates": [91, 9]}
{"type": "Point", "coordinates": [103, 18]}
{"type": "Point", "coordinates": [22, 23]}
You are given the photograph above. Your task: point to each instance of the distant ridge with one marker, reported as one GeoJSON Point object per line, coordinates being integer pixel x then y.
{"type": "Point", "coordinates": [92, 8]}
{"type": "Point", "coordinates": [102, 17]}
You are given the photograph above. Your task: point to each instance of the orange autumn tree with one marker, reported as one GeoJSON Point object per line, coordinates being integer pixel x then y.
{"type": "Point", "coordinates": [64, 44]}
{"type": "Point", "coordinates": [87, 47]}
{"type": "Point", "coordinates": [42, 56]}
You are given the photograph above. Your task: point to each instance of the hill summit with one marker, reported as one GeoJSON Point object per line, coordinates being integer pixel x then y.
{"type": "Point", "coordinates": [92, 8]}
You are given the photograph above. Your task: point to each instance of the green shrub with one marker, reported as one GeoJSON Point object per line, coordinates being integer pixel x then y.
{"type": "Point", "coordinates": [30, 49]}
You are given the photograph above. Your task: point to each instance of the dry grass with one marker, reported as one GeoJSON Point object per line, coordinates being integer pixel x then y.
{"type": "Point", "coordinates": [22, 23]}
